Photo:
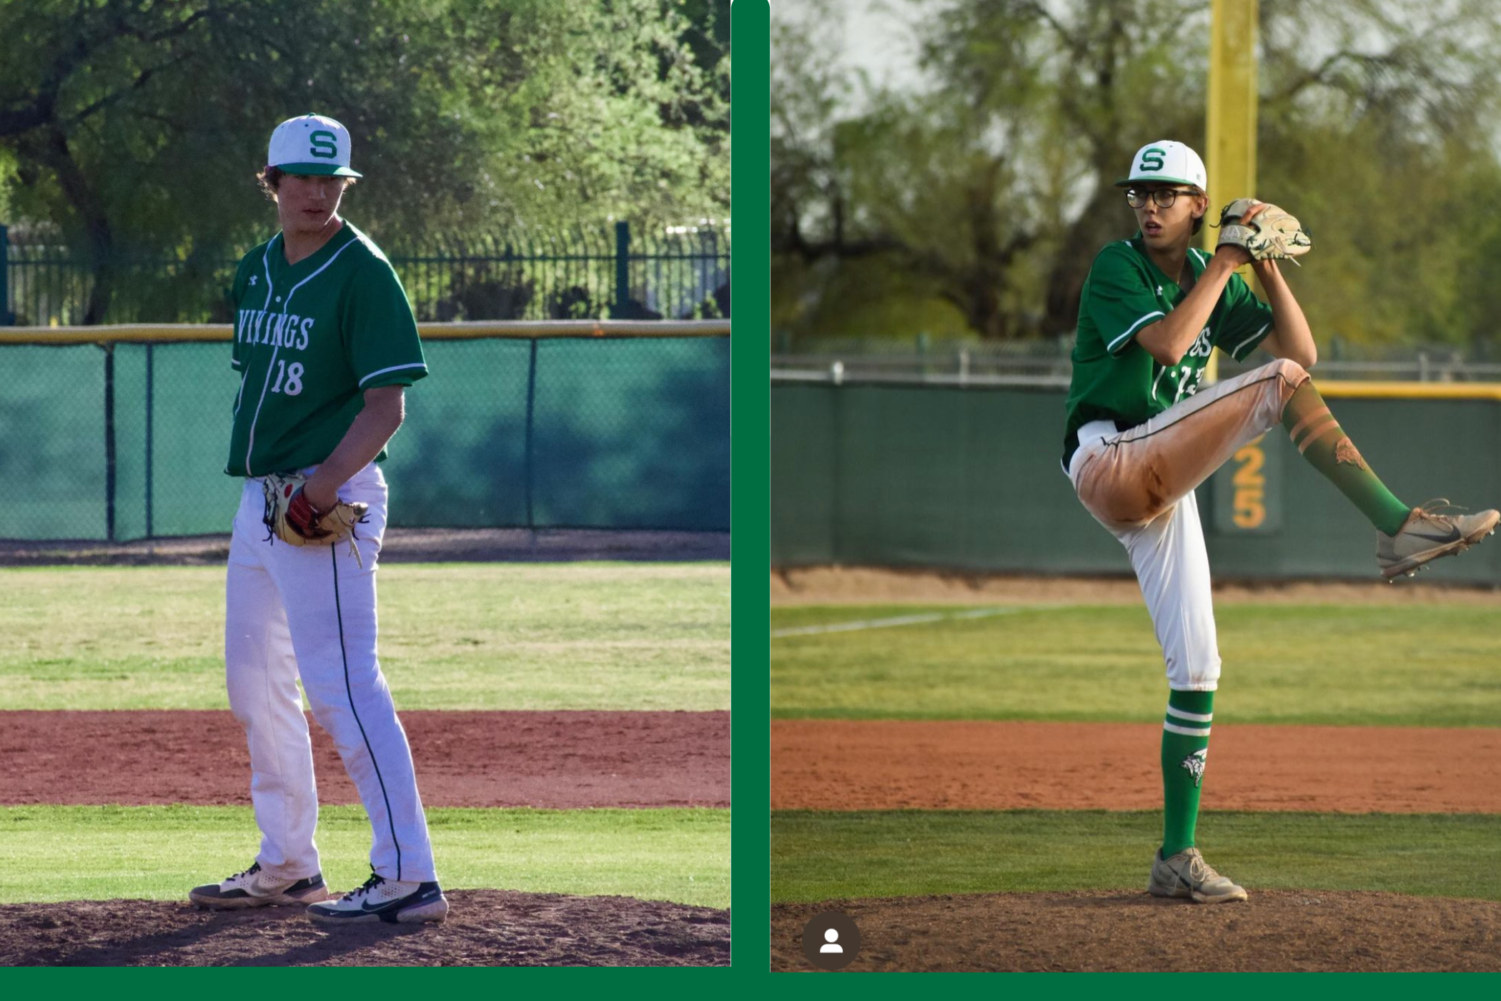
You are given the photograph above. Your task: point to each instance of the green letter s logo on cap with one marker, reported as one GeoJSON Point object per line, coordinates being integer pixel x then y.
{"type": "Point", "coordinates": [324, 145]}
{"type": "Point", "coordinates": [1151, 159]}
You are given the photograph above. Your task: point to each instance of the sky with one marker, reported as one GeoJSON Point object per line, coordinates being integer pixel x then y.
{"type": "Point", "coordinates": [876, 37]}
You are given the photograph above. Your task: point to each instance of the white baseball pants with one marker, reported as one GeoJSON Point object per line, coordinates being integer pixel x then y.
{"type": "Point", "coordinates": [309, 612]}
{"type": "Point", "coordinates": [1140, 483]}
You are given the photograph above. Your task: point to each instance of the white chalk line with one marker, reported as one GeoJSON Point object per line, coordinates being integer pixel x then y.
{"type": "Point", "coordinates": [899, 620]}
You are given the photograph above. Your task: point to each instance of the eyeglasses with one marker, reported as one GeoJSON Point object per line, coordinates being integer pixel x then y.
{"type": "Point", "coordinates": [1164, 197]}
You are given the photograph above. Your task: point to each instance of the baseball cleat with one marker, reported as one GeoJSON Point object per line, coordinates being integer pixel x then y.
{"type": "Point", "coordinates": [1427, 535]}
{"type": "Point", "coordinates": [1186, 874]}
{"type": "Point", "coordinates": [253, 888]}
{"type": "Point", "coordinates": [381, 899]}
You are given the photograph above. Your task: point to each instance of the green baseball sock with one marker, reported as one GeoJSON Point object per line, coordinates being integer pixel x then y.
{"type": "Point", "coordinates": [1185, 745]}
{"type": "Point", "coordinates": [1325, 445]}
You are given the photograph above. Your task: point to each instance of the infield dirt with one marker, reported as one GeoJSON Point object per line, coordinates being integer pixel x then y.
{"type": "Point", "coordinates": [556, 760]}
{"type": "Point", "coordinates": [821, 764]}
{"type": "Point", "coordinates": [880, 586]}
{"type": "Point", "coordinates": [1276, 930]}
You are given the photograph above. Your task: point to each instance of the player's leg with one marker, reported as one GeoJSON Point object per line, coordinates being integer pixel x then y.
{"type": "Point", "coordinates": [331, 603]}
{"type": "Point", "coordinates": [1319, 439]}
{"type": "Point", "coordinates": [261, 676]}
{"type": "Point", "coordinates": [1409, 536]}
{"type": "Point", "coordinates": [1172, 566]}
{"type": "Point", "coordinates": [1129, 478]}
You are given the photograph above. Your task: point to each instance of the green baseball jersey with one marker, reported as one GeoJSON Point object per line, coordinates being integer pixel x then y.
{"type": "Point", "coordinates": [310, 338]}
{"type": "Point", "coordinates": [1117, 379]}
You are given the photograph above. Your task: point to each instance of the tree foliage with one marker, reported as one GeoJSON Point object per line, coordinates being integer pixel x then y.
{"type": "Point", "coordinates": [138, 125]}
{"type": "Point", "coordinates": [991, 190]}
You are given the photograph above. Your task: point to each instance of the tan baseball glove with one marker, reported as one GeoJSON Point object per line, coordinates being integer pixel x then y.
{"type": "Point", "coordinates": [290, 517]}
{"type": "Point", "coordinates": [1273, 234]}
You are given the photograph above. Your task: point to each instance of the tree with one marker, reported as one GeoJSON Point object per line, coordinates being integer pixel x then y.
{"type": "Point", "coordinates": [137, 126]}
{"type": "Point", "coordinates": [993, 190]}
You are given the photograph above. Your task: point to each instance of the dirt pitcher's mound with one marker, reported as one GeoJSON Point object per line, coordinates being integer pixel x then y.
{"type": "Point", "coordinates": [484, 928]}
{"type": "Point", "coordinates": [1276, 930]}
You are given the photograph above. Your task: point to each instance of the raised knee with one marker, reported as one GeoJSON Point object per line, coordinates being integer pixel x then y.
{"type": "Point", "coordinates": [1291, 372]}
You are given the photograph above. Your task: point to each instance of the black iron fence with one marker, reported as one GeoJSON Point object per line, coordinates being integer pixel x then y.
{"type": "Point", "coordinates": [680, 272]}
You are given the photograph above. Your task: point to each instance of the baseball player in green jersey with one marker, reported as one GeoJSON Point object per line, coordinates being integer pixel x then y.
{"type": "Point", "coordinates": [1143, 432]}
{"type": "Point", "coordinates": [325, 344]}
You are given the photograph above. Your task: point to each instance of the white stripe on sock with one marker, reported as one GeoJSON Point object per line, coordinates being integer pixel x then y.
{"type": "Point", "coordinates": [1170, 728]}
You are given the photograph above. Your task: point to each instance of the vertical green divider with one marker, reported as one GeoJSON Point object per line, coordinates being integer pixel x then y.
{"type": "Point", "coordinates": [750, 503]}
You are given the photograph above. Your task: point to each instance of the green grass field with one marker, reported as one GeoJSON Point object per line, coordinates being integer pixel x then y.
{"type": "Point", "coordinates": [830, 856]}
{"type": "Point", "coordinates": [159, 853]}
{"type": "Point", "coordinates": [1392, 665]}
{"type": "Point", "coordinates": [459, 636]}
{"type": "Point", "coordinates": [1419, 665]}
{"type": "Point", "coordinates": [453, 636]}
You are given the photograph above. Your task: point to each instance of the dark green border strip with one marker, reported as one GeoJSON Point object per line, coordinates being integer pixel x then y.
{"type": "Point", "coordinates": [750, 506]}
{"type": "Point", "coordinates": [750, 843]}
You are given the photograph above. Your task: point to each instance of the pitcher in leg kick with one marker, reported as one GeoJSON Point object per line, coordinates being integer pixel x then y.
{"type": "Point", "coordinates": [1142, 434]}
{"type": "Point", "coordinates": [325, 344]}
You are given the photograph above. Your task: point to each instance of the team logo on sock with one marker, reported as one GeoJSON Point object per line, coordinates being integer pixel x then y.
{"type": "Point", "coordinates": [1195, 765]}
{"type": "Point", "coordinates": [1345, 452]}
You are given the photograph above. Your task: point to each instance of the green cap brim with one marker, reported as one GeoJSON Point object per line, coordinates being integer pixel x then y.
{"type": "Point", "coordinates": [316, 169]}
{"type": "Point", "coordinates": [1128, 181]}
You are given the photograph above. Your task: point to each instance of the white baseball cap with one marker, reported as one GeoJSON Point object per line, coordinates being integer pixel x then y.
{"type": "Point", "coordinates": [1168, 162]}
{"type": "Point", "coordinates": [311, 144]}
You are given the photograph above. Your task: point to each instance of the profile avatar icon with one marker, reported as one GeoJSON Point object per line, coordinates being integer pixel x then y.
{"type": "Point", "coordinates": [831, 940]}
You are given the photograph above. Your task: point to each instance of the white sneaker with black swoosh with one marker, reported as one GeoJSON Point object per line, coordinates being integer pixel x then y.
{"type": "Point", "coordinates": [1427, 535]}
{"type": "Point", "coordinates": [1187, 875]}
{"type": "Point", "coordinates": [254, 888]}
{"type": "Point", "coordinates": [390, 900]}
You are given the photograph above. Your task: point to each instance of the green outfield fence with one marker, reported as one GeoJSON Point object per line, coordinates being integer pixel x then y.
{"type": "Point", "coordinates": [674, 272]}
{"type": "Point", "coordinates": [122, 433]}
{"type": "Point", "coordinates": [969, 479]}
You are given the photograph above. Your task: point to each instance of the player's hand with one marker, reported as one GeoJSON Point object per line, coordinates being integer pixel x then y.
{"type": "Point", "coordinates": [1237, 255]}
{"type": "Point", "coordinates": [1255, 210]}
{"type": "Point", "coordinates": [303, 516]}
{"type": "Point", "coordinates": [1262, 230]}
{"type": "Point", "coordinates": [320, 496]}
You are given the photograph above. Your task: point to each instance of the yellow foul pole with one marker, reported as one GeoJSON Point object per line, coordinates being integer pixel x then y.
{"type": "Point", "coordinates": [1230, 153]}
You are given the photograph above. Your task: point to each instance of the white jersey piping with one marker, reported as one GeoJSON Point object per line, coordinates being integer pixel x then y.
{"type": "Point", "coordinates": [266, 259]}
{"type": "Point", "coordinates": [1235, 352]}
{"type": "Point", "coordinates": [393, 368]}
{"type": "Point", "coordinates": [270, 287]}
{"type": "Point", "coordinates": [1132, 329]}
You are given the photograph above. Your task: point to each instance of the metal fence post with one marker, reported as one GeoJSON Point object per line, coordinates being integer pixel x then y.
{"type": "Point", "coordinates": [109, 442]}
{"type": "Point", "coordinates": [531, 396]}
{"type": "Point", "coordinates": [150, 397]}
{"type": "Point", "coordinates": [622, 268]}
{"type": "Point", "coordinates": [6, 316]}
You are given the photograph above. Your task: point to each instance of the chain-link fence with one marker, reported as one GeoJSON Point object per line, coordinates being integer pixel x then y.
{"type": "Point", "coordinates": [129, 438]}
{"type": "Point", "coordinates": [680, 272]}
{"type": "Point", "coordinates": [1048, 363]}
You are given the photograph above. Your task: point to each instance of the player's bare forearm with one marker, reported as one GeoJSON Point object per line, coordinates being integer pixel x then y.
{"type": "Point", "coordinates": [1169, 339]}
{"type": "Point", "coordinates": [1290, 337]}
{"type": "Point", "coordinates": [372, 428]}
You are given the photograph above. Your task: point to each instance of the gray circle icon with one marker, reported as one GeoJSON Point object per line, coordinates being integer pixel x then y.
{"type": "Point", "coordinates": [831, 940]}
